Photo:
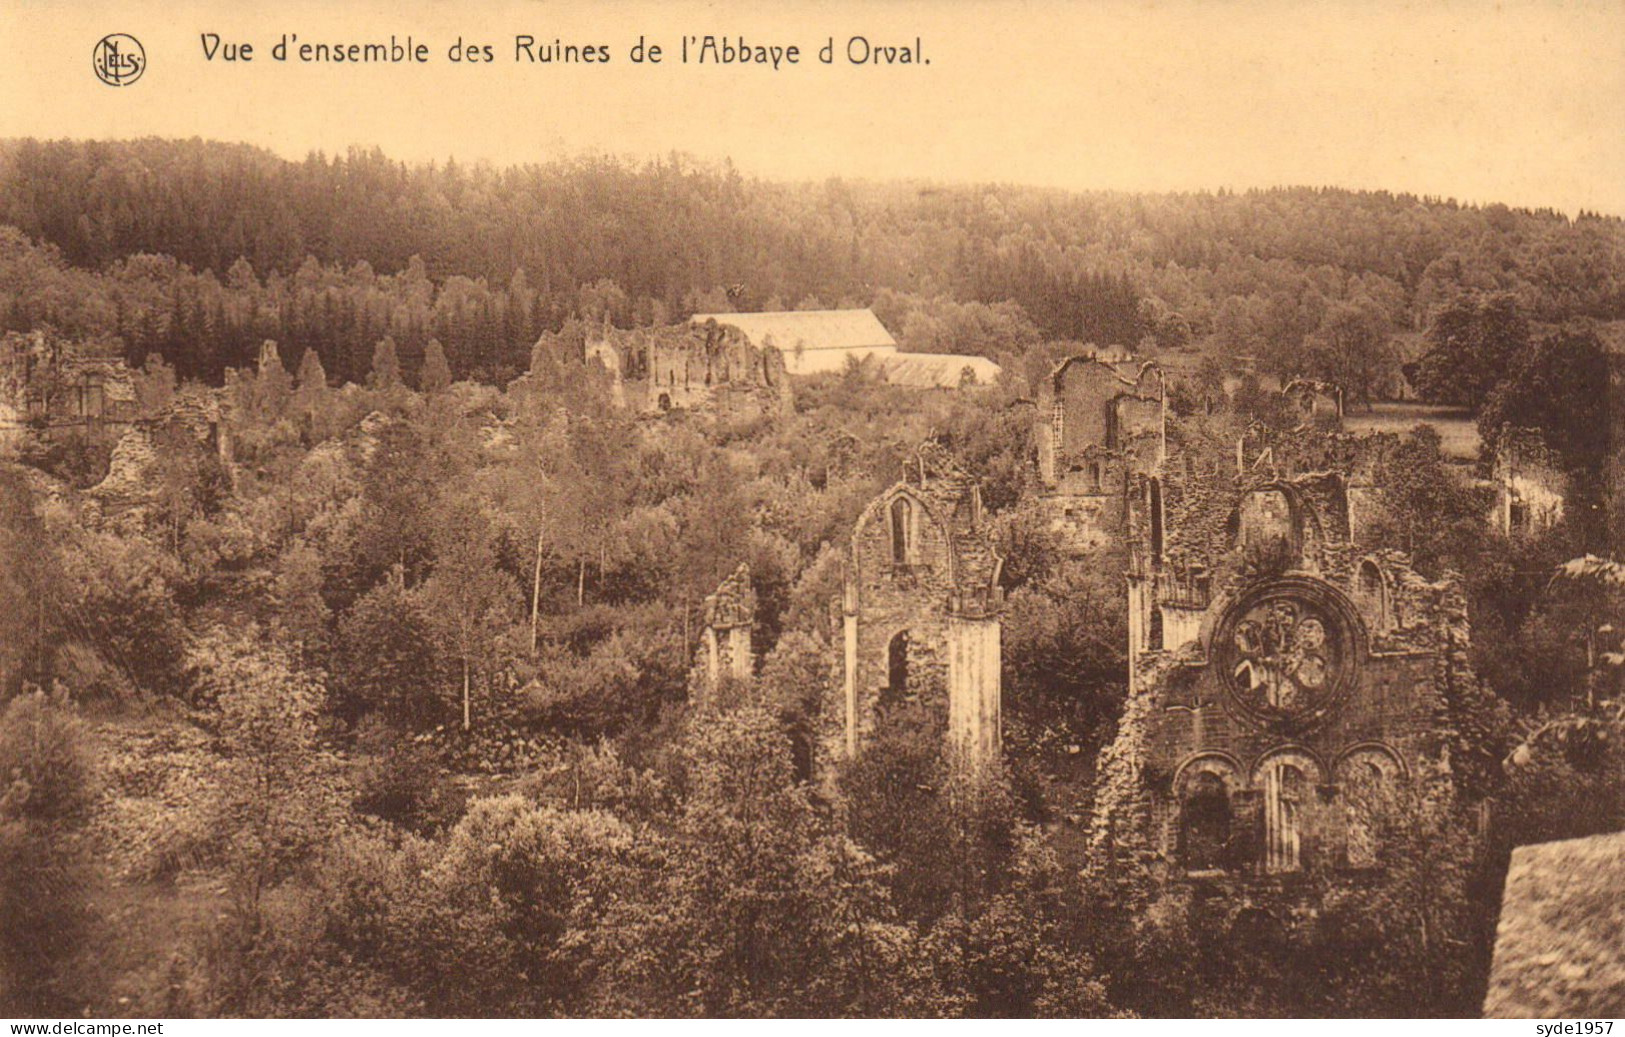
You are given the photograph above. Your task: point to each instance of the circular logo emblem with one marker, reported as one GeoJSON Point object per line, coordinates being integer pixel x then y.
{"type": "Point", "coordinates": [118, 59]}
{"type": "Point", "coordinates": [1288, 651]}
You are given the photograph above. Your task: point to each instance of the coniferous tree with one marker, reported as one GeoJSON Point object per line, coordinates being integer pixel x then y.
{"type": "Point", "coordinates": [436, 373]}
{"type": "Point", "coordinates": [386, 367]}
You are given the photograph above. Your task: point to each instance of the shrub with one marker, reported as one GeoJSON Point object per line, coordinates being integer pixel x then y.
{"type": "Point", "coordinates": [45, 761]}
{"type": "Point", "coordinates": [400, 780]}
{"type": "Point", "coordinates": [47, 787]}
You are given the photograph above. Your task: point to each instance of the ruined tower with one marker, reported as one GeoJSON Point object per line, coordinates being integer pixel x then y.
{"type": "Point", "coordinates": [1102, 440]}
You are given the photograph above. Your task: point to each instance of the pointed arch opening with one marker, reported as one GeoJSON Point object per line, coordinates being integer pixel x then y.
{"type": "Point", "coordinates": [1368, 785]}
{"type": "Point", "coordinates": [1371, 594]}
{"type": "Point", "coordinates": [1154, 504]}
{"type": "Point", "coordinates": [896, 689]}
{"type": "Point", "coordinates": [902, 530]}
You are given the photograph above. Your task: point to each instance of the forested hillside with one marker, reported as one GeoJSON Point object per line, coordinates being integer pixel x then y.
{"type": "Point", "coordinates": [361, 681]}
{"type": "Point", "coordinates": [201, 250]}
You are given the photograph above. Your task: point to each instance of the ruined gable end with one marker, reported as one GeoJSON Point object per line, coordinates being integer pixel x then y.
{"type": "Point", "coordinates": [920, 615]}
{"type": "Point", "coordinates": [1290, 689]}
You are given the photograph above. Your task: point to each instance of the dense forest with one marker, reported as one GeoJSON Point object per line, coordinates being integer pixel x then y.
{"type": "Point", "coordinates": [201, 250]}
{"type": "Point", "coordinates": [388, 713]}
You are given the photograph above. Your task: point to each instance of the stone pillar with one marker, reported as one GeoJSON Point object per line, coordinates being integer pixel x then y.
{"type": "Point", "coordinates": [713, 664]}
{"type": "Point", "coordinates": [1137, 586]}
{"type": "Point", "coordinates": [730, 615]}
{"type": "Point", "coordinates": [849, 685]}
{"type": "Point", "coordinates": [741, 656]}
{"type": "Point", "coordinates": [974, 681]}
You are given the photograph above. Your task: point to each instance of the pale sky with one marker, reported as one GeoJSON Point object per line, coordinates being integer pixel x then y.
{"type": "Point", "coordinates": [1520, 102]}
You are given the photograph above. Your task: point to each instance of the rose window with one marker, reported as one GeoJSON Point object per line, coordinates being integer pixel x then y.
{"type": "Point", "coordinates": [1286, 650]}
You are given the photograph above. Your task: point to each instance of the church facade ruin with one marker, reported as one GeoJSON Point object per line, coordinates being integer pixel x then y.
{"type": "Point", "coordinates": [920, 615]}
{"type": "Point", "coordinates": [1290, 677]}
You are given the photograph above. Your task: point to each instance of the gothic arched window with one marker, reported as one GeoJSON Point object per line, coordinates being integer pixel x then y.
{"type": "Point", "coordinates": [901, 530]}
{"type": "Point", "coordinates": [1372, 594]}
{"type": "Point", "coordinates": [1370, 578]}
{"type": "Point", "coordinates": [1367, 784]}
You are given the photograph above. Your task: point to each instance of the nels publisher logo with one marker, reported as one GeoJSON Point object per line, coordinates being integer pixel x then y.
{"type": "Point", "coordinates": [118, 59]}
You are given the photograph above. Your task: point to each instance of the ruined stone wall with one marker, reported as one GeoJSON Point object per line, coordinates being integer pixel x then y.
{"type": "Point", "coordinates": [604, 353]}
{"type": "Point", "coordinates": [920, 613]}
{"type": "Point", "coordinates": [1137, 430]}
{"type": "Point", "coordinates": [1096, 471]}
{"type": "Point", "coordinates": [50, 389]}
{"type": "Point", "coordinates": [1198, 507]}
{"type": "Point", "coordinates": [1276, 665]}
{"type": "Point", "coordinates": [889, 597]}
{"type": "Point", "coordinates": [1361, 462]}
{"type": "Point", "coordinates": [1100, 422]}
{"type": "Point", "coordinates": [1193, 714]}
{"type": "Point", "coordinates": [1616, 449]}
{"type": "Point", "coordinates": [1286, 672]}
{"type": "Point", "coordinates": [1096, 400]}
{"type": "Point", "coordinates": [709, 367]}
{"type": "Point", "coordinates": [1530, 484]}
{"type": "Point", "coordinates": [1085, 521]}
{"type": "Point", "coordinates": [1083, 394]}
{"type": "Point", "coordinates": [1335, 483]}
{"type": "Point", "coordinates": [726, 651]}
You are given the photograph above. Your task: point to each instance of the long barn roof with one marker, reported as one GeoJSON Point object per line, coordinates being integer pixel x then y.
{"type": "Point", "coordinates": [806, 330]}
{"type": "Point", "coordinates": [940, 370]}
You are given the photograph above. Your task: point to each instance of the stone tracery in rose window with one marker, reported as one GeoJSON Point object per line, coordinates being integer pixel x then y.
{"type": "Point", "coordinates": [1283, 654]}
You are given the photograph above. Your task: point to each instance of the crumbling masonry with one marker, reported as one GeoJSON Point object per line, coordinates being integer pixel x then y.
{"type": "Point", "coordinates": [1102, 442]}
{"type": "Point", "coordinates": [919, 615]}
{"type": "Point", "coordinates": [726, 652]}
{"type": "Point", "coordinates": [706, 367]}
{"type": "Point", "coordinates": [1289, 677]}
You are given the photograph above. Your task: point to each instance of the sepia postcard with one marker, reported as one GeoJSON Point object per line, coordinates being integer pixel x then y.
{"type": "Point", "coordinates": [890, 509]}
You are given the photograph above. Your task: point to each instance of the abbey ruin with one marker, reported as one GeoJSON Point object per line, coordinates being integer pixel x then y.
{"type": "Point", "coordinates": [696, 366]}
{"type": "Point", "coordinates": [1290, 673]}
